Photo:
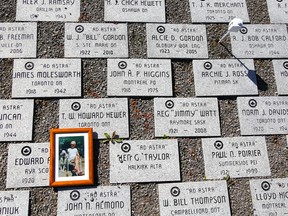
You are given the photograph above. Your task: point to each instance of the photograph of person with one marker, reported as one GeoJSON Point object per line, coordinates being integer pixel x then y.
{"type": "Point", "coordinates": [71, 157]}
{"type": "Point", "coordinates": [71, 163]}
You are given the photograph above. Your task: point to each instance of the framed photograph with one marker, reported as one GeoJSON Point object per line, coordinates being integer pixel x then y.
{"type": "Point", "coordinates": [71, 157]}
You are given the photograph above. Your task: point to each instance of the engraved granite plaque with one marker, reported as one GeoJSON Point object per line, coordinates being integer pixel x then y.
{"type": "Point", "coordinates": [260, 41]}
{"type": "Point", "coordinates": [34, 78]}
{"type": "Point", "coordinates": [194, 198]}
{"type": "Point", "coordinates": [144, 161]}
{"type": "Point", "coordinates": [263, 115]}
{"type": "Point", "coordinates": [48, 10]}
{"type": "Point", "coordinates": [14, 203]}
{"type": "Point", "coordinates": [134, 11]}
{"type": "Point", "coordinates": [176, 41]}
{"type": "Point", "coordinates": [16, 120]}
{"type": "Point", "coordinates": [18, 40]}
{"type": "Point", "coordinates": [235, 157]}
{"type": "Point", "coordinates": [103, 115]}
{"type": "Point", "coordinates": [269, 196]}
{"type": "Point", "coordinates": [224, 77]}
{"type": "Point", "coordinates": [278, 11]}
{"type": "Point", "coordinates": [215, 11]}
{"type": "Point", "coordinates": [281, 76]}
{"type": "Point", "coordinates": [139, 77]}
{"type": "Point", "coordinates": [28, 165]}
{"type": "Point", "coordinates": [186, 117]}
{"type": "Point", "coordinates": [96, 40]}
{"type": "Point", "coordinates": [103, 200]}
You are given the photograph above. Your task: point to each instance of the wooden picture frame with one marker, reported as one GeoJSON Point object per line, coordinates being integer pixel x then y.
{"type": "Point", "coordinates": [71, 157]}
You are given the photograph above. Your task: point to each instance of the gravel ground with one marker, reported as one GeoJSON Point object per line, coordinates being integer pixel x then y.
{"type": "Point", "coordinates": [43, 201]}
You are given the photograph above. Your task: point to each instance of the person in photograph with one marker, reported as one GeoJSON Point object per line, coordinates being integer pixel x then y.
{"type": "Point", "coordinates": [63, 160]}
{"type": "Point", "coordinates": [74, 159]}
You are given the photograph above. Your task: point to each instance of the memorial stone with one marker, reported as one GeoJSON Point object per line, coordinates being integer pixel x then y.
{"type": "Point", "coordinates": [260, 41]}
{"type": "Point", "coordinates": [144, 161]}
{"type": "Point", "coordinates": [281, 76]}
{"type": "Point", "coordinates": [28, 165]}
{"type": "Point", "coordinates": [104, 115]}
{"type": "Point", "coordinates": [134, 11]}
{"type": "Point", "coordinates": [103, 200]}
{"type": "Point", "coordinates": [96, 40]}
{"type": "Point", "coordinates": [18, 40]}
{"type": "Point", "coordinates": [194, 198]}
{"type": "Point", "coordinates": [47, 10]}
{"type": "Point", "coordinates": [215, 11]}
{"type": "Point", "coordinates": [278, 11]}
{"type": "Point", "coordinates": [16, 120]}
{"type": "Point", "coordinates": [34, 78]}
{"type": "Point", "coordinates": [186, 117]}
{"type": "Point", "coordinates": [176, 41]}
{"type": "Point", "coordinates": [263, 115]}
{"type": "Point", "coordinates": [139, 77]}
{"type": "Point", "coordinates": [269, 196]}
{"type": "Point", "coordinates": [225, 77]}
{"type": "Point", "coordinates": [14, 203]}
{"type": "Point", "coordinates": [235, 157]}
